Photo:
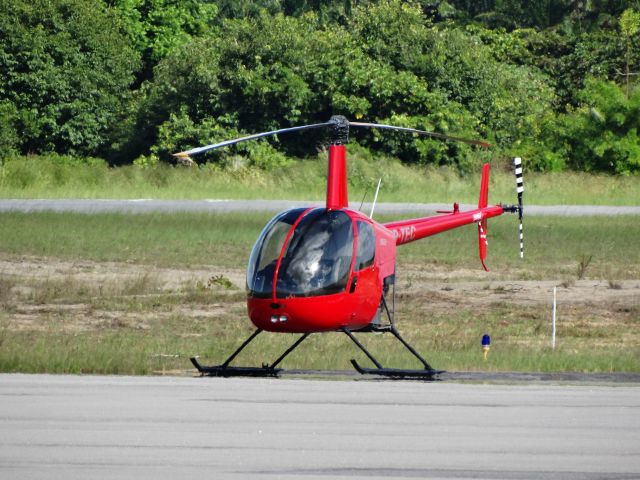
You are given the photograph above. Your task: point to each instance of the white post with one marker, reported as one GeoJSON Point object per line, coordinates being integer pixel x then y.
{"type": "Point", "coordinates": [553, 322]}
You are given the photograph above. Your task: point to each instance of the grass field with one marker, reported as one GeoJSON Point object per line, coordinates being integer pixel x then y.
{"type": "Point", "coordinates": [139, 294]}
{"type": "Point", "coordinates": [42, 178]}
{"type": "Point", "coordinates": [554, 246]}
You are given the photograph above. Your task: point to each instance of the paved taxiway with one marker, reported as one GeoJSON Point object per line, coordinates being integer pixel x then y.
{"type": "Point", "coordinates": [212, 205]}
{"type": "Point", "coordinates": [79, 427]}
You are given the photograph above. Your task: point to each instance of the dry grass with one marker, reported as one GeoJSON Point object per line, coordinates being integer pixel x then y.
{"type": "Point", "coordinates": [140, 294]}
{"type": "Point", "coordinates": [117, 322]}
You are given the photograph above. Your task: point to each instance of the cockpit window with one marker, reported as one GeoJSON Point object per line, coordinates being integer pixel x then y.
{"type": "Point", "coordinates": [266, 251]}
{"type": "Point", "coordinates": [318, 257]}
{"type": "Point", "coordinates": [366, 246]}
{"type": "Point", "coordinates": [316, 261]}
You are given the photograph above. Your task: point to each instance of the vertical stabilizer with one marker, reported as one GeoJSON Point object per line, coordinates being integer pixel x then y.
{"type": "Point", "coordinates": [482, 224]}
{"type": "Point", "coordinates": [484, 187]}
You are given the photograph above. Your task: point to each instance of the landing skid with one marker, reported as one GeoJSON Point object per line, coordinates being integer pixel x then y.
{"type": "Point", "coordinates": [398, 373]}
{"type": "Point", "coordinates": [425, 374]}
{"type": "Point", "coordinates": [226, 371]}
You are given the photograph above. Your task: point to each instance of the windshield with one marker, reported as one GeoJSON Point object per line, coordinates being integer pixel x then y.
{"type": "Point", "coordinates": [316, 260]}
{"type": "Point", "coordinates": [266, 251]}
{"type": "Point", "coordinates": [318, 257]}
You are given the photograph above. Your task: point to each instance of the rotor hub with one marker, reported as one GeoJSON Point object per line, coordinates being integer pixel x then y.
{"type": "Point", "coordinates": [339, 126]}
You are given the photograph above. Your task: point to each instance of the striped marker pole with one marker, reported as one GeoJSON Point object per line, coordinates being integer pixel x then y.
{"type": "Point", "coordinates": [517, 162]}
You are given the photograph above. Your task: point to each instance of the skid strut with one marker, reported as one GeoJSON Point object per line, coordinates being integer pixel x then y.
{"type": "Point", "coordinates": [224, 370]}
{"type": "Point", "coordinates": [425, 374]}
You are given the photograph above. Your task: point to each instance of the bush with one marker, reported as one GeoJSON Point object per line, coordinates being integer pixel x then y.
{"type": "Point", "coordinates": [66, 68]}
{"type": "Point", "coordinates": [52, 169]}
{"type": "Point", "coordinates": [602, 133]}
{"type": "Point", "coordinates": [9, 139]}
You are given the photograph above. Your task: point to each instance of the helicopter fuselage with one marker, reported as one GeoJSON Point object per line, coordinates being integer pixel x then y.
{"type": "Point", "coordinates": [320, 269]}
{"type": "Point", "coordinates": [329, 273]}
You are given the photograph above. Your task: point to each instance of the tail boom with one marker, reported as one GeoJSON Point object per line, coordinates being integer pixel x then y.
{"type": "Point", "coordinates": [407, 231]}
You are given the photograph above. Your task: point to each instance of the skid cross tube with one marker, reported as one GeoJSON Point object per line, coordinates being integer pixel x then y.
{"type": "Point", "coordinates": [266, 370]}
{"type": "Point", "coordinates": [396, 334]}
{"type": "Point", "coordinates": [361, 347]}
{"type": "Point", "coordinates": [289, 350]}
{"type": "Point", "coordinates": [246, 342]}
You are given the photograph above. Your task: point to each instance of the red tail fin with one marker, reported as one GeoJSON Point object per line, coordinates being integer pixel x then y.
{"type": "Point", "coordinates": [484, 187]}
{"type": "Point", "coordinates": [482, 224]}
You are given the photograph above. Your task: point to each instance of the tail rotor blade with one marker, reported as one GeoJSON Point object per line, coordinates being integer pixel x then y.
{"type": "Point", "coordinates": [517, 162]}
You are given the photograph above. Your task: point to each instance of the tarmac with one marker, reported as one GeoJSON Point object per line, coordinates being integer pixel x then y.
{"type": "Point", "coordinates": [216, 205]}
{"type": "Point", "coordinates": [469, 427]}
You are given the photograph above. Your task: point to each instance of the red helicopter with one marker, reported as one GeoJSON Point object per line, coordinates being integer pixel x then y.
{"type": "Point", "coordinates": [333, 268]}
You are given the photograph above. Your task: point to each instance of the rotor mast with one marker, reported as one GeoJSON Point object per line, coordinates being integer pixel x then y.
{"type": "Point", "coordinates": [337, 193]}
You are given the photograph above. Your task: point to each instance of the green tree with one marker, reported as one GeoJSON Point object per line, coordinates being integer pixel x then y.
{"type": "Point", "coordinates": [269, 72]}
{"type": "Point", "coordinates": [630, 26]}
{"type": "Point", "coordinates": [602, 133]}
{"type": "Point", "coordinates": [158, 26]}
{"type": "Point", "coordinates": [503, 97]}
{"type": "Point", "coordinates": [9, 139]}
{"type": "Point", "coordinates": [388, 63]}
{"type": "Point", "coordinates": [65, 67]}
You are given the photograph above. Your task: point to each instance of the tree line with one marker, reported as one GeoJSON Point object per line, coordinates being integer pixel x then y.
{"type": "Point", "coordinates": [554, 81]}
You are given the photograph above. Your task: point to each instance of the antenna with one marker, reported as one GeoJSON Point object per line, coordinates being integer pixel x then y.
{"type": "Point", "coordinates": [375, 198]}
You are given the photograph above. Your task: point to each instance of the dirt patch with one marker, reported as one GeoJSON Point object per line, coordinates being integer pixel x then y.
{"type": "Point", "coordinates": [52, 295]}
{"type": "Point", "coordinates": [104, 272]}
{"type": "Point", "coordinates": [441, 292]}
{"type": "Point", "coordinates": [78, 296]}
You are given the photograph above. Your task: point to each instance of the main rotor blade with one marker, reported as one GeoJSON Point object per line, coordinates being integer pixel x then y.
{"type": "Point", "coordinates": [206, 148]}
{"type": "Point", "coordinates": [420, 132]}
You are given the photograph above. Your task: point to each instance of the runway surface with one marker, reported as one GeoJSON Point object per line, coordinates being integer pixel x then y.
{"type": "Point", "coordinates": [212, 205]}
{"type": "Point", "coordinates": [79, 427]}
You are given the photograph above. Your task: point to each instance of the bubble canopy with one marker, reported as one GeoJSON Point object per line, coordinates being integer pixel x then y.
{"type": "Point", "coordinates": [316, 259]}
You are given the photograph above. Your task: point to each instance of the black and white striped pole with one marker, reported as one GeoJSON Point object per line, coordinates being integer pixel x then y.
{"type": "Point", "coordinates": [517, 162]}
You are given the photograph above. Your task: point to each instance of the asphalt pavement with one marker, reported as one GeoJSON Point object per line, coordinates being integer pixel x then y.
{"type": "Point", "coordinates": [84, 427]}
{"type": "Point", "coordinates": [214, 205]}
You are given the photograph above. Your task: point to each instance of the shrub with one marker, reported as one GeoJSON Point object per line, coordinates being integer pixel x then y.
{"type": "Point", "coordinates": [66, 67]}
{"type": "Point", "coordinates": [602, 133]}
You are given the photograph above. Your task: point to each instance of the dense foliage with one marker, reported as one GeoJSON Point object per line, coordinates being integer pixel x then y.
{"type": "Point", "coordinates": [65, 71]}
{"type": "Point", "coordinates": [554, 81]}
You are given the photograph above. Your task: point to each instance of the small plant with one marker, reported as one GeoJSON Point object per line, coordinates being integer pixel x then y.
{"type": "Point", "coordinates": [146, 161]}
{"type": "Point", "coordinates": [221, 281]}
{"type": "Point", "coordinates": [4, 329]}
{"type": "Point", "coordinates": [615, 285]}
{"type": "Point", "coordinates": [568, 283]}
{"type": "Point", "coordinates": [583, 264]}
